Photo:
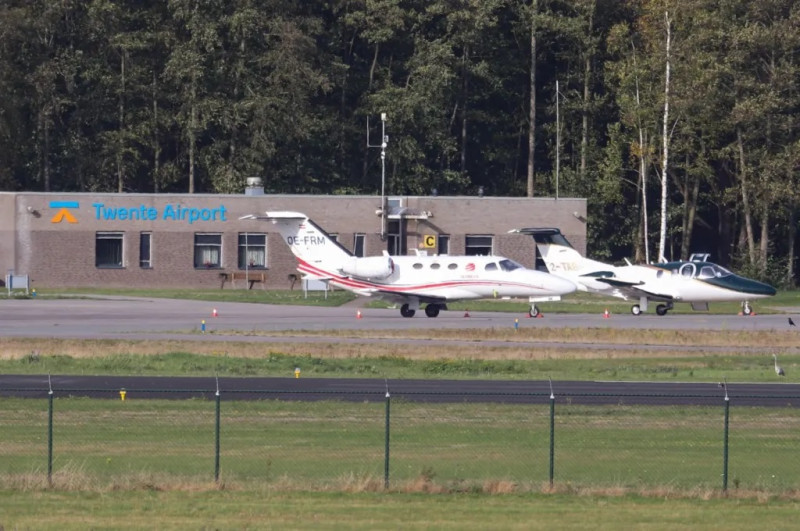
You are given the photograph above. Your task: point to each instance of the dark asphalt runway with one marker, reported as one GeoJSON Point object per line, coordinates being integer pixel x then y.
{"type": "Point", "coordinates": [374, 390]}
{"type": "Point", "coordinates": [129, 318]}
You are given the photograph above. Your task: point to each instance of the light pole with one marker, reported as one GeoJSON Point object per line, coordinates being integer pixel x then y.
{"type": "Point", "coordinates": [382, 145]}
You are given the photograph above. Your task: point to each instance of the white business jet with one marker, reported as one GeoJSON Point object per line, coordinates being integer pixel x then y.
{"type": "Point", "coordinates": [697, 282]}
{"type": "Point", "coordinates": [410, 280]}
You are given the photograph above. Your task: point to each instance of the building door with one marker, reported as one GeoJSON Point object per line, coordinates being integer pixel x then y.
{"type": "Point", "coordinates": [396, 237]}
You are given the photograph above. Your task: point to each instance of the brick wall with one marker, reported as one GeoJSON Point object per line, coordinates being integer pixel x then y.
{"type": "Point", "coordinates": [63, 254]}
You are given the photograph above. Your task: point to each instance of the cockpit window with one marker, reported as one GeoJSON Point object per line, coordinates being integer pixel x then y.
{"type": "Point", "coordinates": [713, 271]}
{"type": "Point", "coordinates": [509, 265]}
{"type": "Point", "coordinates": [491, 266]}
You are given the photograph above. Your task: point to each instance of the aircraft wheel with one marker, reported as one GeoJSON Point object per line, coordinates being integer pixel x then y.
{"type": "Point", "coordinates": [432, 310]}
{"type": "Point", "coordinates": [661, 309]}
{"type": "Point", "coordinates": [534, 312]}
{"type": "Point", "coordinates": [405, 311]}
{"type": "Point", "coordinates": [747, 310]}
{"type": "Point", "coordinates": [636, 310]}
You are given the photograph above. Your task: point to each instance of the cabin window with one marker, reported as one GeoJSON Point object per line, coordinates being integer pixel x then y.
{"type": "Point", "coordinates": [108, 250]}
{"type": "Point", "coordinates": [252, 253]}
{"type": "Point", "coordinates": [509, 265]}
{"type": "Point", "coordinates": [207, 251]}
{"type": "Point", "coordinates": [687, 270]}
{"type": "Point", "coordinates": [417, 266]}
{"type": "Point", "coordinates": [435, 266]}
{"type": "Point", "coordinates": [478, 245]}
{"type": "Point", "coordinates": [452, 266]}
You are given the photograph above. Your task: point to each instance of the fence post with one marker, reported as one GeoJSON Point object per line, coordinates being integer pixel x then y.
{"type": "Point", "coordinates": [386, 446]}
{"type": "Point", "coordinates": [552, 432]}
{"type": "Point", "coordinates": [216, 436]}
{"type": "Point", "coordinates": [50, 437]}
{"type": "Point", "coordinates": [725, 444]}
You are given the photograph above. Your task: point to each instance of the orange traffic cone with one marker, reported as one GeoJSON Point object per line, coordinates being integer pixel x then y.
{"type": "Point", "coordinates": [466, 312]}
{"type": "Point", "coordinates": [606, 315]}
{"type": "Point", "coordinates": [358, 314]}
{"type": "Point", "coordinates": [214, 312]}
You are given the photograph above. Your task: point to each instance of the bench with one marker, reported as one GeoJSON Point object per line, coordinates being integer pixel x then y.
{"type": "Point", "coordinates": [251, 277]}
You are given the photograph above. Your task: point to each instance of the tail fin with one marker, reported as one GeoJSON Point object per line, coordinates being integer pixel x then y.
{"type": "Point", "coordinates": [558, 254]}
{"type": "Point", "coordinates": [315, 250]}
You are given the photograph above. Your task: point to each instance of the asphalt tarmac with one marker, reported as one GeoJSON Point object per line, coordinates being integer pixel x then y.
{"type": "Point", "coordinates": [154, 319]}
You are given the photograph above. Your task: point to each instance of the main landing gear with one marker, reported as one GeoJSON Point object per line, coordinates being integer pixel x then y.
{"type": "Point", "coordinates": [661, 309]}
{"type": "Point", "coordinates": [406, 311]}
{"type": "Point", "coordinates": [431, 310]}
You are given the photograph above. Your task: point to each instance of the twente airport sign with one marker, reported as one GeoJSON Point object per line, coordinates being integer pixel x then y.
{"type": "Point", "coordinates": [66, 210]}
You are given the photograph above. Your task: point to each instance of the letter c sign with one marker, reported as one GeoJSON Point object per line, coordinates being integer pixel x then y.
{"type": "Point", "coordinates": [429, 241]}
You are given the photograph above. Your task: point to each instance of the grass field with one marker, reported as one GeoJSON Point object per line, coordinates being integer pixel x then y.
{"type": "Point", "coordinates": [433, 447]}
{"type": "Point", "coordinates": [144, 464]}
{"type": "Point", "coordinates": [261, 508]}
{"type": "Point", "coordinates": [149, 463]}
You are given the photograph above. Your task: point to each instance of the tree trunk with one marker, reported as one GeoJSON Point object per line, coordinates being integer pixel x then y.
{"type": "Point", "coordinates": [790, 246]}
{"type": "Point", "coordinates": [748, 221]}
{"type": "Point", "coordinates": [587, 73]}
{"type": "Point", "coordinates": [121, 132]}
{"type": "Point", "coordinates": [643, 164]}
{"type": "Point", "coordinates": [764, 244]}
{"type": "Point", "coordinates": [156, 144]}
{"type": "Point", "coordinates": [532, 102]}
{"type": "Point", "coordinates": [662, 233]}
{"type": "Point", "coordinates": [464, 92]}
{"type": "Point", "coordinates": [192, 128]}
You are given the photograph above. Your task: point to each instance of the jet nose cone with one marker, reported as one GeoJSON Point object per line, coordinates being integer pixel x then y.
{"type": "Point", "coordinates": [747, 286]}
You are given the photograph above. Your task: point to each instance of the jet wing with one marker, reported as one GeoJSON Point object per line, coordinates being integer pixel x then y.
{"type": "Point", "coordinates": [635, 289]}
{"type": "Point", "coordinates": [402, 297]}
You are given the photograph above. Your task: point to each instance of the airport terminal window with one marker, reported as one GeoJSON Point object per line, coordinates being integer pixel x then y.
{"type": "Point", "coordinates": [478, 245]}
{"type": "Point", "coordinates": [252, 251]}
{"type": "Point", "coordinates": [443, 245]}
{"type": "Point", "coordinates": [145, 240]}
{"type": "Point", "coordinates": [207, 250]}
{"type": "Point", "coordinates": [358, 245]}
{"type": "Point", "coordinates": [108, 250]}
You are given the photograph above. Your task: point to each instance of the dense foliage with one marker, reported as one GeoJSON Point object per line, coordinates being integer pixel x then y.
{"type": "Point", "coordinates": [196, 95]}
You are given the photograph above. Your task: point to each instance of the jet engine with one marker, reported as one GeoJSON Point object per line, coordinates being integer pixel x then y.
{"type": "Point", "coordinates": [379, 267]}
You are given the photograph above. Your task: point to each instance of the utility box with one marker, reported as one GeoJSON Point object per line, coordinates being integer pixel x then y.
{"type": "Point", "coordinates": [14, 281]}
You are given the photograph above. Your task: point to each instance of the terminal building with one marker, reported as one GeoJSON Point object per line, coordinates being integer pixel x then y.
{"type": "Point", "coordinates": [61, 240]}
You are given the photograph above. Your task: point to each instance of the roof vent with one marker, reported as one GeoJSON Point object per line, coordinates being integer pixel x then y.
{"type": "Point", "coordinates": [254, 186]}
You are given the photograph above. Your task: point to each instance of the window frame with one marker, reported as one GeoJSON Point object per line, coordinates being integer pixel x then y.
{"type": "Point", "coordinates": [473, 248]}
{"type": "Point", "coordinates": [211, 246]}
{"type": "Point", "coordinates": [248, 247]}
{"type": "Point", "coordinates": [360, 238]}
{"type": "Point", "coordinates": [443, 244]}
{"type": "Point", "coordinates": [108, 236]}
{"type": "Point", "coordinates": [146, 262]}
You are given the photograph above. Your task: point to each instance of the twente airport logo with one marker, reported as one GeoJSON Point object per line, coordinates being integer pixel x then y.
{"type": "Point", "coordinates": [64, 213]}
{"type": "Point", "coordinates": [170, 212]}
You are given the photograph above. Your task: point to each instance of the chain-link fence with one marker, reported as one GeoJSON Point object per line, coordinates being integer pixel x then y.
{"type": "Point", "coordinates": [427, 440]}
